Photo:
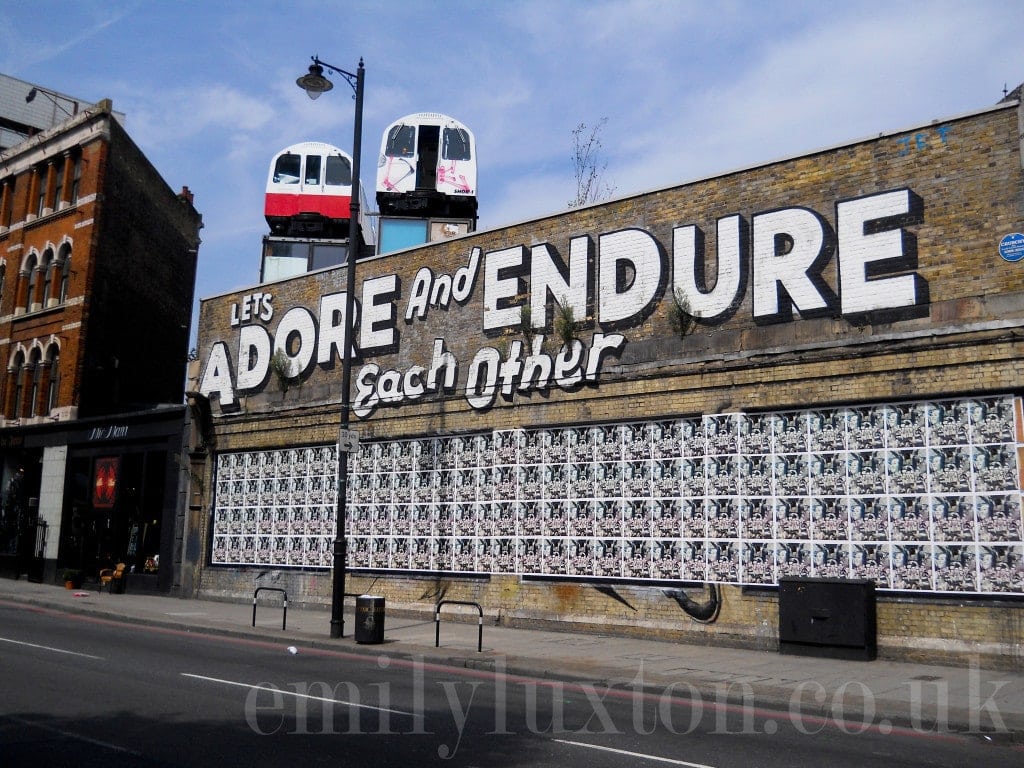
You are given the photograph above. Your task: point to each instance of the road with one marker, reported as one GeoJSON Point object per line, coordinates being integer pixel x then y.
{"type": "Point", "coordinates": [83, 691]}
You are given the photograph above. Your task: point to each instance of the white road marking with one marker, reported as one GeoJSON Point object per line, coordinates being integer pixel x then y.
{"type": "Point", "coordinates": [640, 755]}
{"type": "Point", "coordinates": [295, 694]}
{"type": "Point", "coordinates": [49, 648]}
{"type": "Point", "coordinates": [75, 736]}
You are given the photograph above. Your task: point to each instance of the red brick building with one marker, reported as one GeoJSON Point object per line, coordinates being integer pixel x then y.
{"type": "Point", "coordinates": [97, 269]}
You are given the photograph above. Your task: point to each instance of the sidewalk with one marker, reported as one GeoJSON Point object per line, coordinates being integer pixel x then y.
{"type": "Point", "coordinates": [860, 694]}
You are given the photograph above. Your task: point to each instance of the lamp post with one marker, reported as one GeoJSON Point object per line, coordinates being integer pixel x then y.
{"type": "Point", "coordinates": [314, 84]}
{"type": "Point", "coordinates": [52, 97]}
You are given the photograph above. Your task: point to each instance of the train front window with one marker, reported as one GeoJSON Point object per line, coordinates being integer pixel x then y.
{"type": "Point", "coordinates": [287, 169]}
{"type": "Point", "coordinates": [401, 140]}
{"type": "Point", "coordinates": [312, 169]}
{"type": "Point", "coordinates": [339, 171]}
{"type": "Point", "coordinates": [455, 145]}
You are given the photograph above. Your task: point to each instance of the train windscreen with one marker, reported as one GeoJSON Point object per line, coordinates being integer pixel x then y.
{"type": "Point", "coordinates": [455, 145]}
{"type": "Point", "coordinates": [312, 169]}
{"type": "Point", "coordinates": [287, 169]}
{"type": "Point", "coordinates": [339, 171]}
{"type": "Point", "coordinates": [401, 141]}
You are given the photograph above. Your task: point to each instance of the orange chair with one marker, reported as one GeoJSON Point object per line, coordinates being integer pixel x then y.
{"type": "Point", "coordinates": [108, 577]}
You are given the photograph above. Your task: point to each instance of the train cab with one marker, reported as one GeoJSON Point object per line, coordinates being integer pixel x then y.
{"type": "Point", "coordinates": [309, 191]}
{"type": "Point", "coordinates": [427, 167]}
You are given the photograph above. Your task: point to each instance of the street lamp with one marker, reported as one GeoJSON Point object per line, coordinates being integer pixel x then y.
{"type": "Point", "coordinates": [314, 84]}
{"type": "Point", "coordinates": [52, 96]}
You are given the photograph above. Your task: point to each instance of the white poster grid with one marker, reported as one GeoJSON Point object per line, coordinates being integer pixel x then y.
{"type": "Point", "coordinates": [919, 496]}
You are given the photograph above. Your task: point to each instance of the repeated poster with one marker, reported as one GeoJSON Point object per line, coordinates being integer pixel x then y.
{"type": "Point", "coordinates": [919, 496]}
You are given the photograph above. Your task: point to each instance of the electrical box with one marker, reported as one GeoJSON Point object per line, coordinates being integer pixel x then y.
{"type": "Point", "coordinates": [832, 618]}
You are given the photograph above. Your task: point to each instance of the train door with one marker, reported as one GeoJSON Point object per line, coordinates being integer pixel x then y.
{"type": "Point", "coordinates": [426, 160]}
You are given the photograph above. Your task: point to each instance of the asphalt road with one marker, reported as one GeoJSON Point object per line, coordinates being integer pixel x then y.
{"type": "Point", "coordinates": [82, 691]}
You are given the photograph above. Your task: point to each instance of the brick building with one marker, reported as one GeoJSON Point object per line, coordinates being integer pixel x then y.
{"type": "Point", "coordinates": [97, 268]}
{"type": "Point", "coordinates": [805, 368]}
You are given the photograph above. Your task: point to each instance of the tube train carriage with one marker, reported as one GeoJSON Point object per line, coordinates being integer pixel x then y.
{"type": "Point", "coordinates": [309, 192]}
{"type": "Point", "coordinates": [427, 167]}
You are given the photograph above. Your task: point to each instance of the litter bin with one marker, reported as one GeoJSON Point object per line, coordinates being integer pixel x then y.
{"type": "Point", "coordinates": [369, 619]}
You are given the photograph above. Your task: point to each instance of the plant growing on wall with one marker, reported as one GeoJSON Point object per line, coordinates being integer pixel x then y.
{"type": "Point", "coordinates": [525, 320]}
{"type": "Point", "coordinates": [565, 322]}
{"type": "Point", "coordinates": [281, 367]}
{"type": "Point", "coordinates": [679, 316]}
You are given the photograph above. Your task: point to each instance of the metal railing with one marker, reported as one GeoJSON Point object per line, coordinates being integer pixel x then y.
{"type": "Point", "coordinates": [284, 615]}
{"type": "Point", "coordinates": [437, 622]}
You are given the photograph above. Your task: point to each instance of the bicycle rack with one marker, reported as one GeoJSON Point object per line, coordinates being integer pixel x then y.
{"type": "Point", "coordinates": [437, 622]}
{"type": "Point", "coordinates": [284, 615]}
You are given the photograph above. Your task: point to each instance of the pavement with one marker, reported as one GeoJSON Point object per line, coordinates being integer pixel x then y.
{"type": "Point", "coordinates": [855, 695]}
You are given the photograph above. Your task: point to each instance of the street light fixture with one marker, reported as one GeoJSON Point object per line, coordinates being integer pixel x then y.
{"type": "Point", "coordinates": [315, 84]}
{"type": "Point", "coordinates": [36, 90]}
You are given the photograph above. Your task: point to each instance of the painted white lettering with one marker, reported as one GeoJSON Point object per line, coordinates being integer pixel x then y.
{"type": "Point", "coordinates": [861, 253]}
{"type": "Point", "coordinates": [332, 328]}
{"type": "Point", "coordinates": [787, 247]}
{"type": "Point", "coordinates": [377, 324]}
{"type": "Point", "coordinates": [502, 283]}
{"type": "Point", "coordinates": [536, 367]}
{"type": "Point", "coordinates": [441, 293]}
{"type": "Point", "coordinates": [569, 364]}
{"type": "Point", "coordinates": [629, 274]}
{"type": "Point", "coordinates": [445, 361]}
{"type": "Point", "coordinates": [601, 345]}
{"type": "Point", "coordinates": [217, 375]}
{"type": "Point", "coordinates": [547, 280]}
{"type": "Point", "coordinates": [366, 391]}
{"type": "Point", "coordinates": [297, 321]}
{"type": "Point", "coordinates": [465, 277]}
{"type": "Point", "coordinates": [481, 386]}
{"type": "Point", "coordinates": [689, 281]}
{"type": "Point", "coordinates": [412, 382]}
{"type": "Point", "coordinates": [389, 387]}
{"type": "Point", "coordinates": [511, 369]}
{"type": "Point", "coordinates": [418, 296]}
{"type": "Point", "coordinates": [253, 357]}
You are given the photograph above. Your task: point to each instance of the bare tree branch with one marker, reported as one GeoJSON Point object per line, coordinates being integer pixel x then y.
{"type": "Point", "coordinates": [589, 166]}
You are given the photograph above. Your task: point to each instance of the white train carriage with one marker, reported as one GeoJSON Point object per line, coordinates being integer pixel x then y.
{"type": "Point", "coordinates": [309, 192]}
{"type": "Point", "coordinates": [427, 167]}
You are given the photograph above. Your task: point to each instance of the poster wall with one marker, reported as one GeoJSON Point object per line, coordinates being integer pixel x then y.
{"type": "Point", "coordinates": [920, 496]}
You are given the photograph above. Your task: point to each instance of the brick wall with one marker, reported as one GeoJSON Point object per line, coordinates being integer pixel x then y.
{"type": "Point", "coordinates": [962, 338]}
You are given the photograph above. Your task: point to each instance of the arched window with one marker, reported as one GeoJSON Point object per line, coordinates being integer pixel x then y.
{"type": "Point", "coordinates": [53, 384]}
{"type": "Point", "coordinates": [47, 269]}
{"type": "Point", "coordinates": [18, 376]}
{"type": "Point", "coordinates": [36, 369]}
{"type": "Point", "coordinates": [3, 278]}
{"type": "Point", "coordinates": [32, 270]}
{"type": "Point", "coordinates": [65, 272]}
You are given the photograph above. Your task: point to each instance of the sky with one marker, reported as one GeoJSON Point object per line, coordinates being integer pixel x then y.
{"type": "Point", "coordinates": [680, 89]}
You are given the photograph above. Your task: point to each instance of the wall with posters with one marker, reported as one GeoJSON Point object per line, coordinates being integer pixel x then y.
{"type": "Point", "coordinates": [806, 367]}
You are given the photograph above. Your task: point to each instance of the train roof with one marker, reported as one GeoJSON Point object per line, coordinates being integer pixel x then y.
{"type": "Point", "coordinates": [318, 147]}
{"type": "Point", "coordinates": [436, 118]}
